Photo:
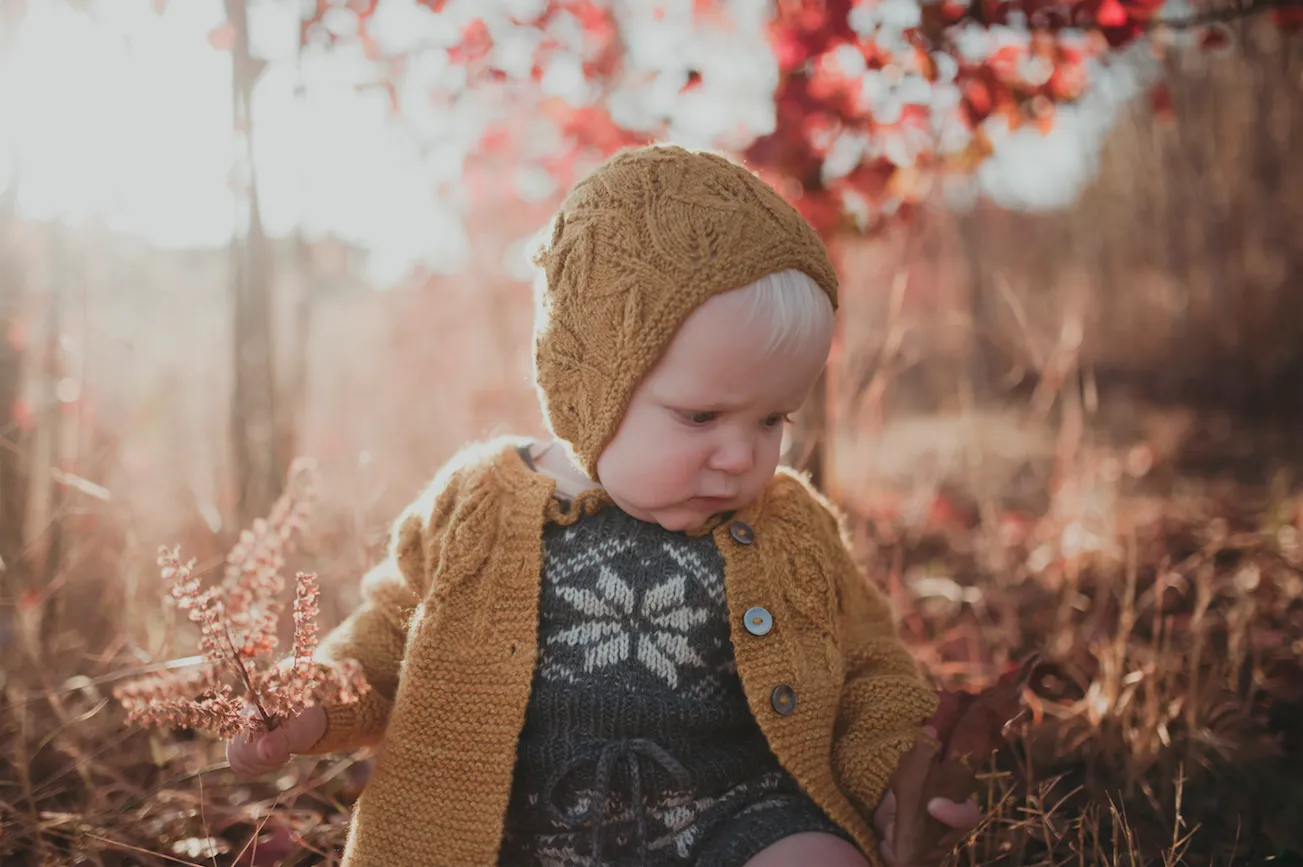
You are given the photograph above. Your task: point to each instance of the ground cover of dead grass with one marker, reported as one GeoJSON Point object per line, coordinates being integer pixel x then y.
{"type": "Point", "coordinates": [1166, 727]}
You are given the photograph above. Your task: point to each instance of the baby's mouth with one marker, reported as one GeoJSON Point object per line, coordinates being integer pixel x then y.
{"type": "Point", "coordinates": [712, 501]}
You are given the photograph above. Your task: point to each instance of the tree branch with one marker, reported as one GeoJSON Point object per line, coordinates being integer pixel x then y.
{"type": "Point", "coordinates": [1223, 15]}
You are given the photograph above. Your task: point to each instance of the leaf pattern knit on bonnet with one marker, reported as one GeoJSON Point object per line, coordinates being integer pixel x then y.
{"type": "Point", "coordinates": [638, 245]}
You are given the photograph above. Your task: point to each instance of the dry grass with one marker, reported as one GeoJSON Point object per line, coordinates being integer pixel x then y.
{"type": "Point", "coordinates": [1167, 729]}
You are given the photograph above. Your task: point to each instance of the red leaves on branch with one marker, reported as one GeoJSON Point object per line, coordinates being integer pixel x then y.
{"type": "Point", "coordinates": [1160, 99]}
{"type": "Point", "coordinates": [1121, 21]}
{"type": "Point", "coordinates": [969, 727]}
{"type": "Point", "coordinates": [222, 37]}
{"type": "Point", "coordinates": [1215, 39]}
{"type": "Point", "coordinates": [23, 415]}
{"type": "Point", "coordinates": [475, 44]}
{"type": "Point", "coordinates": [236, 689]}
{"type": "Point", "coordinates": [363, 8]}
{"type": "Point", "coordinates": [875, 99]}
{"type": "Point", "coordinates": [1288, 18]}
{"type": "Point", "coordinates": [802, 31]}
{"type": "Point", "coordinates": [17, 334]}
{"type": "Point", "coordinates": [1111, 14]}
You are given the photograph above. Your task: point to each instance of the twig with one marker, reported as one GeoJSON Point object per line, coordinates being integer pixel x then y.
{"type": "Point", "coordinates": [167, 784]}
{"type": "Point", "coordinates": [203, 818]}
{"type": "Point", "coordinates": [184, 662]}
{"type": "Point", "coordinates": [1221, 16]}
{"type": "Point", "coordinates": [248, 682]}
{"type": "Point", "coordinates": [257, 832]}
{"type": "Point", "coordinates": [127, 847]}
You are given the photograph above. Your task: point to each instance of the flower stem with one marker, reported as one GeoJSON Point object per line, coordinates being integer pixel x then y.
{"type": "Point", "coordinates": [267, 720]}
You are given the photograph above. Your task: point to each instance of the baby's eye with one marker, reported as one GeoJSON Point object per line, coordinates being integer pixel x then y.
{"type": "Point", "coordinates": [777, 419]}
{"type": "Point", "coordinates": [700, 417]}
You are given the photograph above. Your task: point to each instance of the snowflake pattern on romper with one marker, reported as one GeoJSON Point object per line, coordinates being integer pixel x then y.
{"type": "Point", "coordinates": [674, 627]}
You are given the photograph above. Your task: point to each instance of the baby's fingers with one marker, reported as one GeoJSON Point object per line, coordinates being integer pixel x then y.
{"type": "Point", "coordinates": [242, 754]}
{"type": "Point", "coordinates": [274, 748]}
{"type": "Point", "coordinates": [961, 815]}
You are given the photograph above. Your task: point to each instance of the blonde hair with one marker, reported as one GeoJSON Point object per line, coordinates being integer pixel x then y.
{"type": "Point", "coordinates": [797, 309]}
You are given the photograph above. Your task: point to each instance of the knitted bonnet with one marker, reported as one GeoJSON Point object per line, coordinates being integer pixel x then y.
{"type": "Point", "coordinates": [638, 245]}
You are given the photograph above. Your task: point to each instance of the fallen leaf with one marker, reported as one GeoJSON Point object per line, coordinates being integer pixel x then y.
{"type": "Point", "coordinates": [969, 727]}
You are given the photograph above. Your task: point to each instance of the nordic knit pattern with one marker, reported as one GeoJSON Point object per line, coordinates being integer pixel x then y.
{"type": "Point", "coordinates": [639, 749]}
{"type": "Point", "coordinates": [447, 633]}
{"type": "Point", "coordinates": [636, 247]}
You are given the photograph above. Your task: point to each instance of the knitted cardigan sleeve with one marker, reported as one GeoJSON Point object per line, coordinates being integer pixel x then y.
{"type": "Point", "coordinates": [884, 699]}
{"type": "Point", "coordinates": [376, 633]}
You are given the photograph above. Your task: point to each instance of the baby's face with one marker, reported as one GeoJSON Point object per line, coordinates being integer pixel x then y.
{"type": "Point", "coordinates": [707, 421]}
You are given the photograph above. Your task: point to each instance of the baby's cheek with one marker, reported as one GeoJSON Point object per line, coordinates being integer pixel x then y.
{"type": "Point", "coordinates": [687, 469]}
{"type": "Point", "coordinates": [669, 478]}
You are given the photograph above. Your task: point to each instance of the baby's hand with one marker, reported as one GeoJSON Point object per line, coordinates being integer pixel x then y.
{"type": "Point", "coordinates": [960, 816]}
{"type": "Point", "coordinates": [255, 755]}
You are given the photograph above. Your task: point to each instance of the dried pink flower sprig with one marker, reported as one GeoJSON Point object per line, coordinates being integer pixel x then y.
{"type": "Point", "coordinates": [237, 622]}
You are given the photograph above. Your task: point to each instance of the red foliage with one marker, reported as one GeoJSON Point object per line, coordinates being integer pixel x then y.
{"type": "Point", "coordinates": [23, 415]}
{"type": "Point", "coordinates": [475, 45]}
{"type": "Point", "coordinates": [920, 69]}
{"type": "Point", "coordinates": [1288, 18]}
{"type": "Point", "coordinates": [1160, 99]}
{"type": "Point", "coordinates": [18, 334]}
{"type": "Point", "coordinates": [222, 37]}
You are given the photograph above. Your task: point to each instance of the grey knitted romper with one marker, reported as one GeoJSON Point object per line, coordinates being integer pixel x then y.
{"type": "Point", "coordinates": [638, 746]}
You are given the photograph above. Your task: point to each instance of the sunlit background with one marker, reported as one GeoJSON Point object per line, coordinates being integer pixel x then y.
{"type": "Point", "coordinates": [119, 114]}
{"type": "Point", "coordinates": [1091, 336]}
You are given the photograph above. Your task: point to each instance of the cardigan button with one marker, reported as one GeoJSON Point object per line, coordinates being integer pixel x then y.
{"type": "Point", "coordinates": [758, 621]}
{"type": "Point", "coordinates": [741, 532]}
{"type": "Point", "coordinates": [783, 698]}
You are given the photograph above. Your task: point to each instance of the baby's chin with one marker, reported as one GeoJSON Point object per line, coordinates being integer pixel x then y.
{"type": "Point", "coordinates": [682, 517]}
{"type": "Point", "coordinates": [681, 522]}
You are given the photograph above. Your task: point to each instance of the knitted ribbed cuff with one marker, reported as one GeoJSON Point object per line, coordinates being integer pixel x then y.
{"type": "Point", "coordinates": [350, 726]}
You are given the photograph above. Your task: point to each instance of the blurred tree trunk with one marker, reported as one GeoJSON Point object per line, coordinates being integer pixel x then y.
{"type": "Point", "coordinates": [13, 475]}
{"type": "Point", "coordinates": [295, 394]}
{"type": "Point", "coordinates": [296, 379]}
{"type": "Point", "coordinates": [257, 423]}
{"type": "Point", "coordinates": [45, 494]}
{"type": "Point", "coordinates": [984, 369]}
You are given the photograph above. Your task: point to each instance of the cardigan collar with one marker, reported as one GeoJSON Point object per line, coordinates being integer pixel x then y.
{"type": "Point", "coordinates": [516, 465]}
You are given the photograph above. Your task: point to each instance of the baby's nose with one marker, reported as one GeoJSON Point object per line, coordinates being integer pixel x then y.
{"type": "Point", "coordinates": [735, 458]}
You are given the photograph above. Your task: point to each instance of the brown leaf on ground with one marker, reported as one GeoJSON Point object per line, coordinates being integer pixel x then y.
{"type": "Point", "coordinates": [969, 726]}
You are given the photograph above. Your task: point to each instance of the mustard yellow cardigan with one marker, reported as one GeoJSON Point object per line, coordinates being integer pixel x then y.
{"type": "Point", "coordinates": [447, 633]}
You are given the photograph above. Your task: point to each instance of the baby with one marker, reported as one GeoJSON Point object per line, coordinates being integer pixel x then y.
{"type": "Point", "coordinates": [641, 642]}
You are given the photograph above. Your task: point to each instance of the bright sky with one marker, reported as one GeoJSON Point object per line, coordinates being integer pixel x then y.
{"type": "Point", "coordinates": [125, 115]}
